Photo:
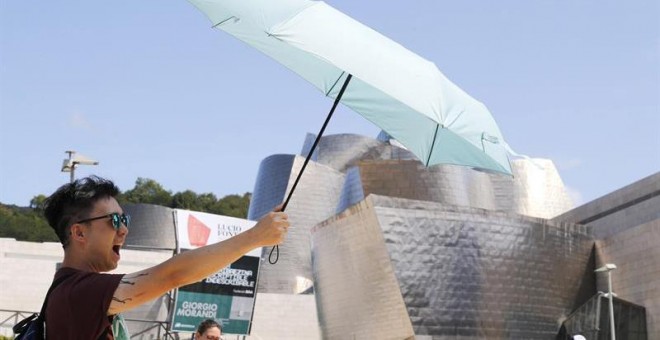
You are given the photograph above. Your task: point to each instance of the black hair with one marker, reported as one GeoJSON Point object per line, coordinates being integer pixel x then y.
{"type": "Point", "coordinates": [206, 324]}
{"type": "Point", "coordinates": [74, 201]}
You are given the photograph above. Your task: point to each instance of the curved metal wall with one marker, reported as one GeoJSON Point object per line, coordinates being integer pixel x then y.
{"type": "Point", "coordinates": [152, 226]}
{"type": "Point", "coordinates": [534, 190]}
{"type": "Point", "coordinates": [410, 179]}
{"type": "Point", "coordinates": [343, 151]}
{"type": "Point", "coordinates": [353, 190]}
{"type": "Point", "coordinates": [538, 190]}
{"type": "Point", "coordinates": [462, 272]}
{"type": "Point", "coordinates": [270, 186]}
{"type": "Point", "coordinates": [315, 199]}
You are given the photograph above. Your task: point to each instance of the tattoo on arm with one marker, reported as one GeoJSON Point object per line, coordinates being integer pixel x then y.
{"type": "Point", "coordinates": [121, 301]}
{"type": "Point", "coordinates": [127, 279]}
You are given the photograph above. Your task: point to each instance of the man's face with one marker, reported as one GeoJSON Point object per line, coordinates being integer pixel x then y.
{"type": "Point", "coordinates": [102, 241]}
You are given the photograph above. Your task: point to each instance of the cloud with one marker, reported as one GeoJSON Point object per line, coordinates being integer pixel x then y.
{"type": "Point", "coordinates": [78, 120]}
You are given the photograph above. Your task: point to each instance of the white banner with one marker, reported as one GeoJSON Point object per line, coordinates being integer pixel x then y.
{"type": "Point", "coordinates": [197, 229]}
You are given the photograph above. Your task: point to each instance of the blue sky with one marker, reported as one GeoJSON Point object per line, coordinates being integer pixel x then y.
{"type": "Point", "coordinates": [150, 90]}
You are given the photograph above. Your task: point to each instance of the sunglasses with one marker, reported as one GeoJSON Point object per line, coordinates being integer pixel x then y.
{"type": "Point", "coordinates": [116, 218]}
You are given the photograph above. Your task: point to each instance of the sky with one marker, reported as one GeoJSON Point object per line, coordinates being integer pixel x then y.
{"type": "Point", "coordinates": [150, 90]}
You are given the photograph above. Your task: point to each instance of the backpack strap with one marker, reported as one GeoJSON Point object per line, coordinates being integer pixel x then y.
{"type": "Point", "coordinates": [42, 313]}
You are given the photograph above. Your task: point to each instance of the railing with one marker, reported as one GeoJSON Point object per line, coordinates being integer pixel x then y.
{"type": "Point", "coordinates": [160, 327]}
{"type": "Point", "coordinates": [14, 317]}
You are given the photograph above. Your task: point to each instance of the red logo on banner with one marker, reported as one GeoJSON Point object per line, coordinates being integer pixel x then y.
{"type": "Point", "coordinates": [198, 232]}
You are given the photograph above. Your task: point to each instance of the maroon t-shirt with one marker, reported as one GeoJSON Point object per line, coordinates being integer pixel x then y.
{"type": "Point", "coordinates": [78, 307]}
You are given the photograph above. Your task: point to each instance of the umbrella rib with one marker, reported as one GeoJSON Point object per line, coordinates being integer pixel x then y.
{"type": "Point", "coordinates": [223, 21]}
{"type": "Point", "coordinates": [455, 118]}
{"type": "Point", "coordinates": [428, 159]}
{"type": "Point", "coordinates": [336, 81]}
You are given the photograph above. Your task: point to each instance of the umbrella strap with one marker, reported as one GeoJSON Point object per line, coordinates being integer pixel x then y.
{"type": "Point", "coordinates": [309, 155]}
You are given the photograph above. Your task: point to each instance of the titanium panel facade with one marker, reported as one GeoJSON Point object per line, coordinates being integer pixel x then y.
{"type": "Point", "coordinates": [626, 224]}
{"type": "Point", "coordinates": [636, 253]}
{"type": "Point", "coordinates": [535, 189]}
{"type": "Point", "coordinates": [343, 151]}
{"type": "Point", "coordinates": [346, 168]}
{"type": "Point", "coordinates": [357, 293]}
{"type": "Point", "coordinates": [462, 272]}
{"type": "Point", "coordinates": [315, 199]}
{"type": "Point", "coordinates": [628, 207]}
{"type": "Point", "coordinates": [152, 227]}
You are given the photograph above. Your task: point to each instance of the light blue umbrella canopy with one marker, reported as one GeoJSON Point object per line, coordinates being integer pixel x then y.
{"type": "Point", "coordinates": [397, 90]}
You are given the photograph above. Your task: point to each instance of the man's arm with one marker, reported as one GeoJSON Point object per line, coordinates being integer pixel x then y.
{"type": "Point", "coordinates": [192, 266]}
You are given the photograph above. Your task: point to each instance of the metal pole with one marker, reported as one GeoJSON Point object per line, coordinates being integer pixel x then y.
{"type": "Point", "coordinates": [609, 289]}
{"type": "Point", "coordinates": [73, 169]}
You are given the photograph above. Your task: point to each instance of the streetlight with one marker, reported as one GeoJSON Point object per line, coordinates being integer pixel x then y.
{"type": "Point", "coordinates": [608, 268]}
{"type": "Point", "coordinates": [69, 165]}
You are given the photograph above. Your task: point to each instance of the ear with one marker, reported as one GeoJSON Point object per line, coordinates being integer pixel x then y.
{"type": "Point", "coordinates": [77, 232]}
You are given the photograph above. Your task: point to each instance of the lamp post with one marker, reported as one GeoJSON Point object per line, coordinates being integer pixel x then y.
{"type": "Point", "coordinates": [69, 165]}
{"type": "Point", "coordinates": [608, 268]}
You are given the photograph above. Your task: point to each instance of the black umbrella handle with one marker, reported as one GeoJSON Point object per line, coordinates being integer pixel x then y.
{"type": "Point", "coordinates": [309, 155]}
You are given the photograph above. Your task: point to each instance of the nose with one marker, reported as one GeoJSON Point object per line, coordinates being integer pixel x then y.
{"type": "Point", "coordinates": [123, 230]}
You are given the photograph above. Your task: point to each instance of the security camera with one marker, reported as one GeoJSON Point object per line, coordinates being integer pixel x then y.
{"type": "Point", "coordinates": [66, 165]}
{"type": "Point", "coordinates": [79, 159]}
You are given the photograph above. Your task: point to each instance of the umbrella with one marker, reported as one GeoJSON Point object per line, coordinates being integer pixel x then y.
{"type": "Point", "coordinates": [397, 90]}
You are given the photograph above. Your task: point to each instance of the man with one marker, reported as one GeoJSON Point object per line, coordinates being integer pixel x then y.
{"type": "Point", "coordinates": [92, 228]}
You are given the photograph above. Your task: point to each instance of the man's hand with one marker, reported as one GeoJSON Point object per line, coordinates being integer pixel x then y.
{"type": "Point", "coordinates": [271, 228]}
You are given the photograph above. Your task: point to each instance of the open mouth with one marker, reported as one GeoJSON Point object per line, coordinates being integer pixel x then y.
{"type": "Point", "coordinates": [116, 248]}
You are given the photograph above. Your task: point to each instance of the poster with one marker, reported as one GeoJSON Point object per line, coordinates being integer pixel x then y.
{"type": "Point", "coordinates": [226, 296]}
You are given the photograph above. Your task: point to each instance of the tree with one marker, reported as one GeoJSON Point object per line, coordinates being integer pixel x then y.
{"type": "Point", "coordinates": [233, 205]}
{"type": "Point", "coordinates": [147, 191]}
{"type": "Point", "coordinates": [25, 224]}
{"type": "Point", "coordinates": [37, 202]}
{"type": "Point", "coordinates": [185, 200]}
{"type": "Point", "coordinates": [206, 202]}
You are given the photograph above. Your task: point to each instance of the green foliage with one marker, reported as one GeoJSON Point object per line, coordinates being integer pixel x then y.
{"type": "Point", "coordinates": [25, 224]}
{"type": "Point", "coordinates": [147, 191]}
{"type": "Point", "coordinates": [29, 224]}
{"type": "Point", "coordinates": [233, 205]}
{"type": "Point", "coordinates": [151, 192]}
{"type": "Point", "coordinates": [186, 200]}
{"type": "Point", "coordinates": [38, 202]}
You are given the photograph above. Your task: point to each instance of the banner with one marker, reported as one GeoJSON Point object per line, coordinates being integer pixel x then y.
{"type": "Point", "coordinates": [226, 296]}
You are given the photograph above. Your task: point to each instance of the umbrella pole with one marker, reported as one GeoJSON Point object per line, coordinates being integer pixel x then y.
{"type": "Point", "coordinates": [309, 155]}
